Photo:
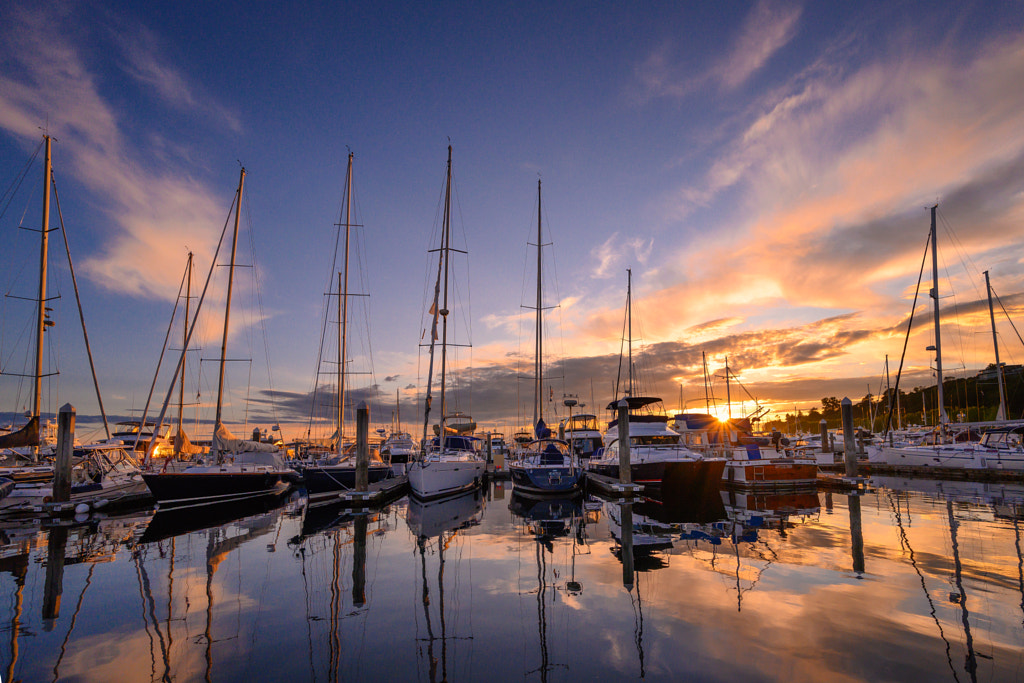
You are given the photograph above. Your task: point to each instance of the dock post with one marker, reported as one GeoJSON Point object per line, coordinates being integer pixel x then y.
{"type": "Point", "coordinates": [826, 447]}
{"type": "Point", "coordinates": [561, 431]}
{"type": "Point", "coordinates": [849, 442]}
{"type": "Point", "coordinates": [362, 446]}
{"type": "Point", "coordinates": [626, 545]}
{"type": "Point", "coordinates": [54, 586]}
{"type": "Point", "coordinates": [65, 448]}
{"type": "Point", "coordinates": [856, 535]}
{"type": "Point", "coordinates": [359, 561]}
{"type": "Point", "coordinates": [490, 454]}
{"type": "Point", "coordinates": [625, 476]}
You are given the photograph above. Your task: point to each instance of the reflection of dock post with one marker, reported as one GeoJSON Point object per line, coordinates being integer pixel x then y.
{"type": "Point", "coordinates": [54, 586]}
{"type": "Point", "coordinates": [826, 447]}
{"type": "Point", "coordinates": [849, 442]}
{"type": "Point", "coordinates": [627, 544]}
{"type": "Point", "coordinates": [359, 562]}
{"type": "Point", "coordinates": [625, 476]}
{"type": "Point", "coordinates": [362, 446]}
{"type": "Point", "coordinates": [58, 539]}
{"type": "Point", "coordinates": [65, 447]}
{"type": "Point", "coordinates": [856, 535]}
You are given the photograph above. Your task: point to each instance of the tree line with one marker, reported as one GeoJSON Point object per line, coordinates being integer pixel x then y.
{"type": "Point", "coordinates": [966, 399]}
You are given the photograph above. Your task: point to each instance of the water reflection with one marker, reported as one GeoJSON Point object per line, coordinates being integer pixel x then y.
{"type": "Point", "coordinates": [326, 535]}
{"type": "Point", "coordinates": [438, 526]}
{"type": "Point", "coordinates": [549, 521]}
{"type": "Point", "coordinates": [925, 578]}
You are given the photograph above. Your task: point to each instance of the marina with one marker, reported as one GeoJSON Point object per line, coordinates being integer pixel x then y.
{"type": "Point", "coordinates": [915, 579]}
{"type": "Point", "coordinates": [479, 342]}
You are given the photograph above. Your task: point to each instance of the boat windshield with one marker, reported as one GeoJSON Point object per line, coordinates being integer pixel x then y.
{"type": "Point", "coordinates": [548, 447]}
{"type": "Point", "coordinates": [998, 439]}
{"type": "Point", "coordinates": [580, 423]}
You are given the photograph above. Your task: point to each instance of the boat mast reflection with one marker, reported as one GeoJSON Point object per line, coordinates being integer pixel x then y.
{"type": "Point", "coordinates": [444, 520]}
{"type": "Point", "coordinates": [332, 527]}
{"type": "Point", "coordinates": [546, 520]}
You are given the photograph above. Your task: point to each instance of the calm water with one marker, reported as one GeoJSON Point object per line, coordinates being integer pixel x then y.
{"type": "Point", "coordinates": [917, 580]}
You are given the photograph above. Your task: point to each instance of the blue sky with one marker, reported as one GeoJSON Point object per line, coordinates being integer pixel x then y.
{"type": "Point", "coordinates": [762, 167]}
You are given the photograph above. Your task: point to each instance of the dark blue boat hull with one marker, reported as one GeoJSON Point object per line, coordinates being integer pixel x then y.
{"type": "Point", "coordinates": [546, 479]}
{"type": "Point", "coordinates": [326, 480]}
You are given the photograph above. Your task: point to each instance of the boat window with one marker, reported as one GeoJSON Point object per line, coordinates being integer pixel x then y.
{"type": "Point", "coordinates": [654, 440]}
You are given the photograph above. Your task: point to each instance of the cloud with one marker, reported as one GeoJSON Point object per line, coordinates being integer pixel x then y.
{"type": "Point", "coordinates": [145, 63]}
{"type": "Point", "coordinates": [832, 173]}
{"type": "Point", "coordinates": [615, 253]}
{"type": "Point", "coordinates": [152, 213]}
{"type": "Point", "coordinates": [768, 28]}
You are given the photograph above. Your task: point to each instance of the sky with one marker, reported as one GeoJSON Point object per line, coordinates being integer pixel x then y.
{"type": "Point", "coordinates": [764, 169]}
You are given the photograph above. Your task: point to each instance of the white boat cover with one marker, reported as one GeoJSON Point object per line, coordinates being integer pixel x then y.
{"type": "Point", "coordinates": [245, 451]}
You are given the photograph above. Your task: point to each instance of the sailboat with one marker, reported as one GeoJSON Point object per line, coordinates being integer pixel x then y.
{"type": "Point", "coordinates": [101, 472]}
{"type": "Point", "coordinates": [998, 451]}
{"type": "Point", "coordinates": [241, 468]}
{"type": "Point", "coordinates": [655, 451]}
{"type": "Point", "coordinates": [335, 473]}
{"type": "Point", "coordinates": [448, 463]}
{"type": "Point", "coordinates": [398, 447]}
{"type": "Point", "coordinates": [545, 465]}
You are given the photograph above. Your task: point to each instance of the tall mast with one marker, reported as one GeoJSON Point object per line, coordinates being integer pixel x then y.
{"type": "Point", "coordinates": [538, 389]}
{"type": "Point", "coordinates": [227, 306]}
{"type": "Point", "coordinates": [343, 310]}
{"type": "Point", "coordinates": [707, 396]}
{"type": "Point", "coordinates": [629, 317]}
{"type": "Point", "coordinates": [1001, 414]}
{"type": "Point", "coordinates": [938, 338]}
{"type": "Point", "coordinates": [41, 318]}
{"type": "Point", "coordinates": [728, 394]}
{"type": "Point", "coordinates": [184, 334]}
{"type": "Point", "coordinates": [446, 228]}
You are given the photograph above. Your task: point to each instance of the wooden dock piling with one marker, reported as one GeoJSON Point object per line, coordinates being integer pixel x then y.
{"type": "Point", "coordinates": [625, 475]}
{"type": "Point", "coordinates": [362, 446]}
{"type": "Point", "coordinates": [65, 448]}
{"type": "Point", "coordinates": [849, 441]}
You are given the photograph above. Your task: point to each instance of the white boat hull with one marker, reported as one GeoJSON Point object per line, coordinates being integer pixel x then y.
{"type": "Point", "coordinates": [948, 457]}
{"type": "Point", "coordinates": [433, 478]}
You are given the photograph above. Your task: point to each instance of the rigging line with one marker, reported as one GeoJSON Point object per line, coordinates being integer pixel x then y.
{"type": "Point", "coordinates": [1008, 319]}
{"type": "Point", "coordinates": [622, 341]}
{"type": "Point", "coordinates": [263, 317]}
{"type": "Point", "coordinates": [163, 349]}
{"type": "Point", "coordinates": [145, 620]}
{"type": "Point", "coordinates": [906, 340]}
{"type": "Point", "coordinates": [905, 542]}
{"type": "Point", "coordinates": [191, 329]}
{"type": "Point", "coordinates": [962, 253]}
{"type": "Point", "coordinates": [71, 627]}
{"type": "Point", "coordinates": [326, 307]}
{"type": "Point", "coordinates": [81, 314]}
{"type": "Point", "coordinates": [156, 622]}
{"type": "Point", "coordinates": [8, 195]}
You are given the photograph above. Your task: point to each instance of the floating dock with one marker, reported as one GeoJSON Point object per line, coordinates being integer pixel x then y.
{"type": "Point", "coordinates": [835, 482]}
{"type": "Point", "coordinates": [376, 494]}
{"type": "Point", "coordinates": [613, 487]}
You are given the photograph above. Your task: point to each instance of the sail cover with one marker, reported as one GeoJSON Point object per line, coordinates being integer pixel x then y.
{"type": "Point", "coordinates": [26, 436]}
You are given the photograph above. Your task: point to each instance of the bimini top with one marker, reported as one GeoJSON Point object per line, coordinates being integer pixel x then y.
{"type": "Point", "coordinates": [635, 402]}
